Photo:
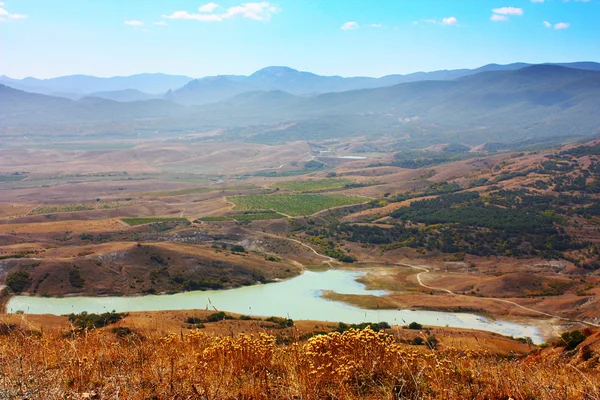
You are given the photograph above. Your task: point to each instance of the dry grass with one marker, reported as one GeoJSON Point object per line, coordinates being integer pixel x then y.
{"type": "Point", "coordinates": [105, 225]}
{"type": "Point", "coordinates": [195, 365]}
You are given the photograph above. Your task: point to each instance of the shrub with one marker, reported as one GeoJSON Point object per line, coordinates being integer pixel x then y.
{"type": "Point", "coordinates": [18, 281]}
{"type": "Point", "coordinates": [282, 323]}
{"type": "Point", "coordinates": [572, 339]}
{"type": "Point", "coordinates": [218, 316]}
{"type": "Point", "coordinates": [374, 326]}
{"type": "Point", "coordinates": [238, 249]}
{"type": "Point", "coordinates": [432, 342]}
{"type": "Point", "coordinates": [415, 326]}
{"type": "Point", "coordinates": [123, 332]}
{"type": "Point", "coordinates": [75, 278]}
{"type": "Point", "coordinates": [93, 321]}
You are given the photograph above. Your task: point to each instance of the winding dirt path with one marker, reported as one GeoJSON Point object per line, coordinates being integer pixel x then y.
{"type": "Point", "coordinates": [328, 260]}
{"type": "Point", "coordinates": [426, 271]}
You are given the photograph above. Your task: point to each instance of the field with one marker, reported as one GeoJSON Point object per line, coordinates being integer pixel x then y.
{"type": "Point", "coordinates": [244, 217]}
{"type": "Point", "coordinates": [304, 186]}
{"type": "Point", "coordinates": [104, 225]}
{"type": "Point", "coordinates": [182, 192]}
{"type": "Point", "coordinates": [394, 239]}
{"type": "Point", "coordinates": [75, 207]}
{"type": "Point", "coordinates": [121, 362]}
{"type": "Point", "coordinates": [11, 178]}
{"type": "Point", "coordinates": [142, 221]}
{"type": "Point", "coordinates": [258, 216]}
{"type": "Point", "coordinates": [294, 205]}
{"type": "Point", "coordinates": [217, 218]}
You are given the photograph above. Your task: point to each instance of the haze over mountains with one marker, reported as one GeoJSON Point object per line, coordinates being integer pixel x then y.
{"type": "Point", "coordinates": [186, 90]}
{"type": "Point", "coordinates": [492, 103]}
{"type": "Point", "coordinates": [76, 86]}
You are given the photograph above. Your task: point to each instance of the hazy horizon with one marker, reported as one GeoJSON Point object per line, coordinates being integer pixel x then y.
{"type": "Point", "coordinates": [197, 38]}
{"type": "Point", "coordinates": [300, 70]}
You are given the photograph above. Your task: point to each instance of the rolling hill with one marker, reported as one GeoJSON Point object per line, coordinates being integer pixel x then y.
{"type": "Point", "coordinates": [212, 89]}
{"type": "Point", "coordinates": [534, 101]}
{"type": "Point", "coordinates": [78, 85]}
{"type": "Point", "coordinates": [18, 108]}
{"type": "Point", "coordinates": [125, 95]}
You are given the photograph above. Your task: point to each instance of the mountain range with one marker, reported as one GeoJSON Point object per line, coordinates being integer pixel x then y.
{"type": "Point", "coordinates": [77, 86]}
{"type": "Point", "coordinates": [189, 91]}
{"type": "Point", "coordinates": [499, 103]}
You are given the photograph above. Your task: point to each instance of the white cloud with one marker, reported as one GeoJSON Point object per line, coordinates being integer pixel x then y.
{"type": "Point", "coordinates": [449, 21]}
{"type": "Point", "coordinates": [262, 11]}
{"type": "Point", "coordinates": [443, 21]}
{"type": "Point", "coordinates": [508, 11]}
{"type": "Point", "coordinates": [256, 11]}
{"type": "Point", "coordinates": [349, 26]}
{"type": "Point", "coordinates": [5, 15]}
{"type": "Point", "coordinates": [160, 23]}
{"type": "Point", "coordinates": [210, 7]}
{"type": "Point", "coordinates": [497, 17]}
{"type": "Point", "coordinates": [134, 22]}
{"type": "Point", "coordinates": [503, 13]}
{"type": "Point", "coordinates": [197, 17]}
{"type": "Point", "coordinates": [376, 25]}
{"type": "Point", "coordinates": [537, 1]}
{"type": "Point", "coordinates": [561, 26]}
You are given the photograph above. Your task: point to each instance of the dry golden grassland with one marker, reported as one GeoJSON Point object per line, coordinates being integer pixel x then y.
{"type": "Point", "coordinates": [195, 365]}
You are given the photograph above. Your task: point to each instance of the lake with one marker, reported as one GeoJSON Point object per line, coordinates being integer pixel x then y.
{"type": "Point", "coordinates": [298, 298]}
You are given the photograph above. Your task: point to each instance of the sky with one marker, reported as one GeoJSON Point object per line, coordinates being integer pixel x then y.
{"type": "Point", "coordinates": [44, 39]}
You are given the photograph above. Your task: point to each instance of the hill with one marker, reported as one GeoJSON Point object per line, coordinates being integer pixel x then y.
{"type": "Point", "coordinates": [211, 89]}
{"type": "Point", "coordinates": [539, 101]}
{"type": "Point", "coordinates": [117, 360]}
{"type": "Point", "coordinates": [22, 108]}
{"type": "Point", "coordinates": [85, 84]}
{"type": "Point", "coordinates": [208, 90]}
{"type": "Point", "coordinates": [125, 95]}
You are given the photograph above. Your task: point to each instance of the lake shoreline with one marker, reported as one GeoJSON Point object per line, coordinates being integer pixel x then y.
{"type": "Point", "coordinates": [300, 298]}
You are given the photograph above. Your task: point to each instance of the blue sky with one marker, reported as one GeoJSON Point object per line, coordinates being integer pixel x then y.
{"type": "Point", "coordinates": [45, 38]}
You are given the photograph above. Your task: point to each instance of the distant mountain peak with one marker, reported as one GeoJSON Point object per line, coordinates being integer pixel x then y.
{"type": "Point", "coordinates": [277, 72]}
{"type": "Point", "coordinates": [276, 69]}
{"type": "Point", "coordinates": [552, 69]}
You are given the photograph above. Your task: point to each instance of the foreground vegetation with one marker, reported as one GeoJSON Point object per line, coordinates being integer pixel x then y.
{"type": "Point", "coordinates": [121, 363]}
{"type": "Point", "coordinates": [294, 204]}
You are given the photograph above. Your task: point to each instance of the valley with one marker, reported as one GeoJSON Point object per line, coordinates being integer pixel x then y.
{"type": "Point", "coordinates": [138, 226]}
{"type": "Point", "coordinates": [300, 200]}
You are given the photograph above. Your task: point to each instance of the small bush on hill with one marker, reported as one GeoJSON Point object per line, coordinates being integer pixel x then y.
{"type": "Point", "coordinates": [94, 321]}
{"type": "Point", "coordinates": [415, 326]}
{"type": "Point", "coordinates": [18, 281]}
{"type": "Point", "coordinates": [572, 339]}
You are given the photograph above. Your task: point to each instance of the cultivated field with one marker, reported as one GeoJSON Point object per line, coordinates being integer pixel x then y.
{"type": "Point", "coordinates": [62, 223]}
{"type": "Point", "coordinates": [294, 204]}
{"type": "Point", "coordinates": [141, 221]}
{"type": "Point", "coordinates": [304, 186]}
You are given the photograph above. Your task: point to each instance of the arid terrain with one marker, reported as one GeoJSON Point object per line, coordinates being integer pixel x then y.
{"type": "Point", "coordinates": [162, 217]}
